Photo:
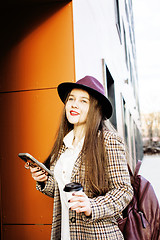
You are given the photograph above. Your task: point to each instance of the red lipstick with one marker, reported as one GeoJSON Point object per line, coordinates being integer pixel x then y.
{"type": "Point", "coordinates": [74, 113]}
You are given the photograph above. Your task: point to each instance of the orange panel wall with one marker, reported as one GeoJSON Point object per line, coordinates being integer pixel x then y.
{"type": "Point", "coordinates": [37, 54]}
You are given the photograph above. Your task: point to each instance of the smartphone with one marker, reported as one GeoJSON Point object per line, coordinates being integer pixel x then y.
{"type": "Point", "coordinates": [28, 158]}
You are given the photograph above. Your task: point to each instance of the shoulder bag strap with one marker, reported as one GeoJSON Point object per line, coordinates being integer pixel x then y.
{"type": "Point", "coordinates": [137, 167]}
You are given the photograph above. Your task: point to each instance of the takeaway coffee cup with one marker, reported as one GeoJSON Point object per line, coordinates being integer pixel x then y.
{"type": "Point", "coordinates": [70, 188]}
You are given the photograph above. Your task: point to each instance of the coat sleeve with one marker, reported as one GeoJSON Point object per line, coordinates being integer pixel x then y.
{"type": "Point", "coordinates": [120, 190]}
{"type": "Point", "coordinates": [48, 188]}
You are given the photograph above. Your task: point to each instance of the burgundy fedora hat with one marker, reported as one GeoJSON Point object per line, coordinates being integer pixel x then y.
{"type": "Point", "coordinates": [93, 87]}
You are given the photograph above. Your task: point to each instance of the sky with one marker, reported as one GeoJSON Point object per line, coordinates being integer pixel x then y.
{"type": "Point", "coordinates": [147, 36]}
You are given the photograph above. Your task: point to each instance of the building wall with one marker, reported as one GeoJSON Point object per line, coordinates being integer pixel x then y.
{"type": "Point", "coordinates": [96, 36]}
{"type": "Point", "coordinates": [37, 54]}
{"type": "Point", "coordinates": [103, 42]}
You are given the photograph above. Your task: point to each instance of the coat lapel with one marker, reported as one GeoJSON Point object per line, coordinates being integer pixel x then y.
{"type": "Point", "coordinates": [62, 150]}
{"type": "Point", "coordinates": [77, 165]}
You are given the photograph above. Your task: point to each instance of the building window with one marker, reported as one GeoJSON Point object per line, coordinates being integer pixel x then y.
{"type": "Point", "coordinates": [132, 136]}
{"type": "Point", "coordinates": [130, 69]}
{"type": "Point", "coordinates": [111, 96]}
{"type": "Point", "coordinates": [126, 9]}
{"type": "Point", "coordinates": [125, 46]}
{"type": "Point", "coordinates": [117, 14]}
{"type": "Point", "coordinates": [125, 122]}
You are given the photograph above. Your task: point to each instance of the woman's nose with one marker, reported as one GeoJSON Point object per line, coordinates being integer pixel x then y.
{"type": "Point", "coordinates": [75, 104]}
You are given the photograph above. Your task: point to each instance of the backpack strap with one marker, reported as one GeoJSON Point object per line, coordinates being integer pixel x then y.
{"type": "Point", "coordinates": [130, 171]}
{"type": "Point", "coordinates": [135, 171]}
{"type": "Point", "coordinates": [137, 167]}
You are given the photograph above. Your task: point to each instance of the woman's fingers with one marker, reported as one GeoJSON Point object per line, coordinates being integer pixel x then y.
{"type": "Point", "coordinates": [38, 174]}
{"type": "Point", "coordinates": [35, 169]}
{"type": "Point", "coordinates": [82, 203]}
{"type": "Point", "coordinates": [40, 178]}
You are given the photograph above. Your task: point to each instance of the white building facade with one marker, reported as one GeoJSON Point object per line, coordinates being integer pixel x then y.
{"type": "Point", "coordinates": [105, 48]}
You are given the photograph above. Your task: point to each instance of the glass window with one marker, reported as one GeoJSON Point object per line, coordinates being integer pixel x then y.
{"type": "Point", "coordinates": [111, 96]}
{"type": "Point", "coordinates": [117, 14]}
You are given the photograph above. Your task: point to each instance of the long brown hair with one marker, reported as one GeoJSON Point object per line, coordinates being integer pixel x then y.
{"type": "Point", "coordinates": [94, 154]}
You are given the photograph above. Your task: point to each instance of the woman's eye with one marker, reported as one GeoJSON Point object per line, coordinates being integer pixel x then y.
{"type": "Point", "coordinates": [70, 98]}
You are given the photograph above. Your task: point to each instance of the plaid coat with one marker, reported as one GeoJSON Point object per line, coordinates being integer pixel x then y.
{"type": "Point", "coordinates": [105, 209]}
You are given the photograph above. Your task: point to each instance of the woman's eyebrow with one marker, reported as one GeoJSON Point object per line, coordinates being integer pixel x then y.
{"type": "Point", "coordinates": [72, 95]}
{"type": "Point", "coordinates": [85, 98]}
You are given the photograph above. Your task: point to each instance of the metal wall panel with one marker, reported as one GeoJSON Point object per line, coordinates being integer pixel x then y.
{"type": "Point", "coordinates": [34, 60]}
{"type": "Point", "coordinates": [37, 47]}
{"type": "Point", "coordinates": [26, 232]}
{"type": "Point", "coordinates": [28, 124]}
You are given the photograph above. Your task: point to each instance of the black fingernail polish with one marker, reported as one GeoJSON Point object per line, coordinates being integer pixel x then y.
{"type": "Point", "coordinates": [68, 200]}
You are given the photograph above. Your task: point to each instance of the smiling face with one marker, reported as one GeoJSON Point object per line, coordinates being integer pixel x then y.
{"type": "Point", "coordinates": [77, 107]}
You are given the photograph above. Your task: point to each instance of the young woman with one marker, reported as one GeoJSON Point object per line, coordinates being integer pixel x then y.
{"type": "Point", "coordinates": [86, 152]}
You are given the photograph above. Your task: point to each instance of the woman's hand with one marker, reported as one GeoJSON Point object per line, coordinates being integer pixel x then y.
{"type": "Point", "coordinates": [82, 203]}
{"type": "Point", "coordinates": [38, 174]}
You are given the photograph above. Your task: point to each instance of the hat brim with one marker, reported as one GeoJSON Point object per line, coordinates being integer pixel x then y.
{"type": "Point", "coordinates": [64, 88]}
